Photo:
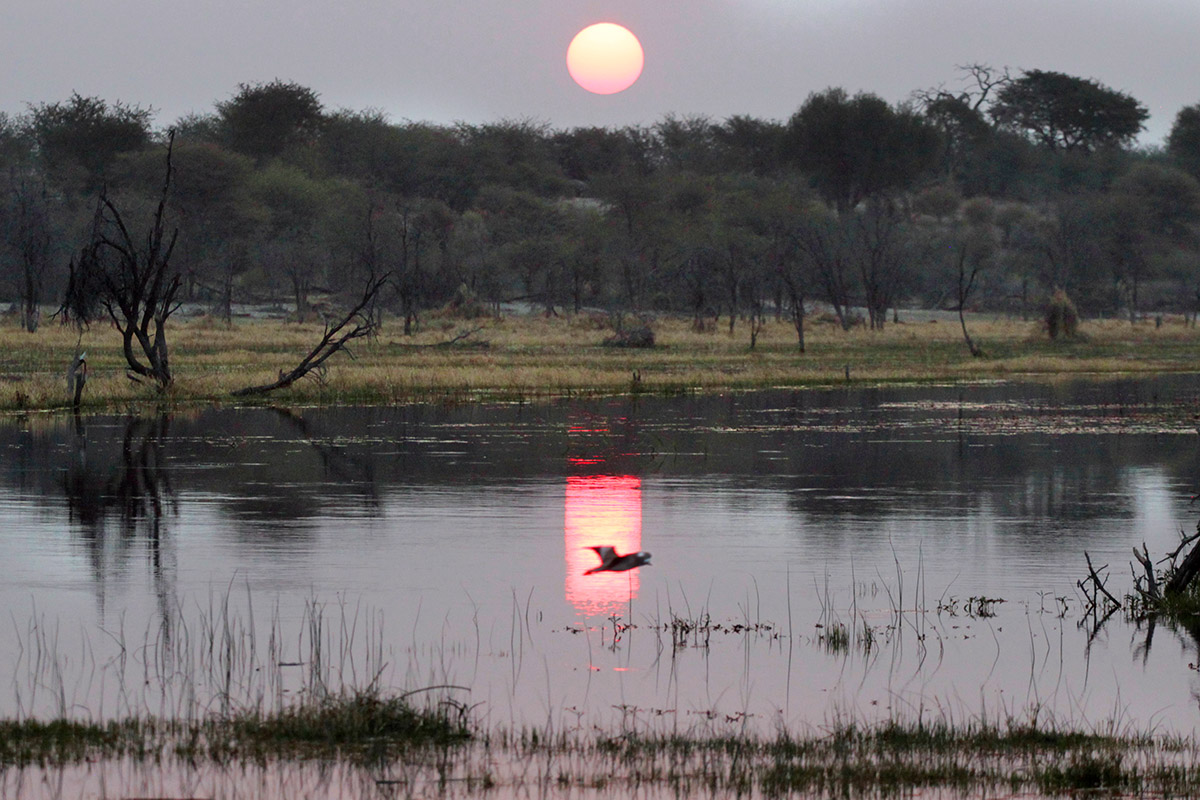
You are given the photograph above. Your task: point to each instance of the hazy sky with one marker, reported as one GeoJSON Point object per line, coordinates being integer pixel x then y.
{"type": "Point", "coordinates": [486, 60]}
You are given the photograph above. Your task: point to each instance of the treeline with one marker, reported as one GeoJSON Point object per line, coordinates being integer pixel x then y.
{"type": "Point", "coordinates": [993, 195]}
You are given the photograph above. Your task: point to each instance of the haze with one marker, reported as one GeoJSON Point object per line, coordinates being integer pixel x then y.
{"type": "Point", "coordinates": [480, 61]}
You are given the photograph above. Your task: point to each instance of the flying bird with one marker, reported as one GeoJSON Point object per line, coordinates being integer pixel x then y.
{"type": "Point", "coordinates": [611, 562]}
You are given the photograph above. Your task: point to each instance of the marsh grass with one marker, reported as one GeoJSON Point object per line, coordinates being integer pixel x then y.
{"type": "Point", "coordinates": [232, 712]}
{"type": "Point", "coordinates": [532, 356]}
{"type": "Point", "coordinates": [899, 758]}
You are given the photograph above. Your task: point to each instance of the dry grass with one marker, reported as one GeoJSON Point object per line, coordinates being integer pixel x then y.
{"type": "Point", "coordinates": [535, 356]}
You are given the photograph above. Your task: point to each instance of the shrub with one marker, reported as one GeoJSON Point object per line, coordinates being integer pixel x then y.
{"type": "Point", "coordinates": [1061, 316]}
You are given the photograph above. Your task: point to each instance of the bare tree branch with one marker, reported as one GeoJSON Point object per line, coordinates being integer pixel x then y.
{"type": "Point", "coordinates": [357, 323]}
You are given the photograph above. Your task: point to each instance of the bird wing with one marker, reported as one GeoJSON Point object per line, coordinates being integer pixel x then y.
{"type": "Point", "coordinates": [607, 554]}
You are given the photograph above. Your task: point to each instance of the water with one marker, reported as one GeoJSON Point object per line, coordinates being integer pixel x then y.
{"type": "Point", "coordinates": [446, 546]}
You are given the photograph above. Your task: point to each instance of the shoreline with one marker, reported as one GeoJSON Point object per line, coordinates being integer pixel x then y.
{"type": "Point", "coordinates": [522, 358]}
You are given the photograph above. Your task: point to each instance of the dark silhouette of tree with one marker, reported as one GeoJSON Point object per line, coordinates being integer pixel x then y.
{"type": "Point", "coordinates": [855, 147]}
{"type": "Point", "coordinates": [514, 153]}
{"type": "Point", "coordinates": [959, 115]}
{"type": "Point", "coordinates": [265, 120]}
{"type": "Point", "coordinates": [584, 153]}
{"type": "Point", "coordinates": [1063, 112]}
{"type": "Point", "coordinates": [27, 230]}
{"type": "Point", "coordinates": [746, 144]}
{"type": "Point", "coordinates": [1183, 143]}
{"type": "Point", "coordinates": [826, 245]}
{"type": "Point", "coordinates": [16, 146]}
{"type": "Point", "coordinates": [132, 279]}
{"type": "Point", "coordinates": [88, 134]}
{"type": "Point", "coordinates": [884, 250]}
{"type": "Point", "coordinates": [686, 143]}
{"type": "Point", "coordinates": [1151, 212]}
{"type": "Point", "coordinates": [971, 250]}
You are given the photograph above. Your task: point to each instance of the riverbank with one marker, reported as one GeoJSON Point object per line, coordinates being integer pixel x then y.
{"type": "Point", "coordinates": [526, 357]}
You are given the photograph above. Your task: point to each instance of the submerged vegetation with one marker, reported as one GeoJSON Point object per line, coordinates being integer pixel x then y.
{"type": "Point", "coordinates": [523, 357]}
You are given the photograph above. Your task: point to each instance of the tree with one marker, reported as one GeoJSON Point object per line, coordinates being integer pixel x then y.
{"type": "Point", "coordinates": [1151, 212]}
{"type": "Point", "coordinates": [265, 120]}
{"type": "Point", "coordinates": [27, 230]}
{"type": "Point", "coordinates": [1063, 112]}
{"type": "Point", "coordinates": [826, 246]}
{"type": "Point", "coordinates": [959, 115]}
{"type": "Point", "coordinates": [514, 153]}
{"type": "Point", "coordinates": [289, 241]}
{"type": "Point", "coordinates": [87, 133]}
{"type": "Point", "coordinates": [883, 248]}
{"type": "Point", "coordinates": [855, 147]}
{"type": "Point", "coordinates": [746, 144]}
{"type": "Point", "coordinates": [1183, 143]}
{"type": "Point", "coordinates": [216, 219]}
{"type": "Point", "coordinates": [15, 144]}
{"type": "Point", "coordinates": [970, 250]}
{"type": "Point", "coordinates": [132, 280]}
{"type": "Point", "coordinates": [583, 153]}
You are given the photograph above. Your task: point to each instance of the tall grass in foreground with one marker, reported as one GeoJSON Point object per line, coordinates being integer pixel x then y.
{"type": "Point", "coordinates": [525, 357]}
{"type": "Point", "coordinates": [219, 705]}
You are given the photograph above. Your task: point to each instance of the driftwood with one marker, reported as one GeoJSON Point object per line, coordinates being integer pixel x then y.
{"type": "Point", "coordinates": [1093, 587]}
{"type": "Point", "coordinates": [460, 337]}
{"type": "Point", "coordinates": [1154, 585]}
{"type": "Point", "coordinates": [1186, 572]}
{"type": "Point", "coordinates": [357, 323]}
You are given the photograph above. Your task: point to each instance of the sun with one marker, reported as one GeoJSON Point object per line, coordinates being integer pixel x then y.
{"type": "Point", "coordinates": [605, 58]}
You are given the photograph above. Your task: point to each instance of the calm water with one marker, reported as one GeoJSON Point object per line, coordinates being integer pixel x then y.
{"type": "Point", "coordinates": [447, 545]}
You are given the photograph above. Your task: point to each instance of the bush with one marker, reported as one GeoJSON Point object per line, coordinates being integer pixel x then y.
{"type": "Point", "coordinates": [640, 336]}
{"type": "Point", "coordinates": [1061, 316]}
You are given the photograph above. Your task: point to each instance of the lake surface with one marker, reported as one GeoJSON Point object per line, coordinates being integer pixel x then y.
{"type": "Point", "coordinates": [817, 556]}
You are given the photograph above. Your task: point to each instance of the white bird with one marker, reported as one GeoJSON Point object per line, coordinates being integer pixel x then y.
{"type": "Point", "coordinates": [611, 562]}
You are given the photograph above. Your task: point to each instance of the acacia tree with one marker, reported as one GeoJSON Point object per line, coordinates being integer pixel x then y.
{"type": "Point", "coordinates": [264, 120]}
{"type": "Point", "coordinates": [131, 278]}
{"type": "Point", "coordinates": [87, 133]}
{"type": "Point", "coordinates": [1063, 112]}
{"type": "Point", "coordinates": [853, 148]}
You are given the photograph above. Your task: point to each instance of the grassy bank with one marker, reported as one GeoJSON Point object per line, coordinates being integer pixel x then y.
{"type": "Point", "coordinates": [378, 737]}
{"type": "Point", "coordinates": [525, 357]}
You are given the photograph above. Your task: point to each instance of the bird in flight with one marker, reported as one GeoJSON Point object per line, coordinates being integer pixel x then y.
{"type": "Point", "coordinates": [611, 562]}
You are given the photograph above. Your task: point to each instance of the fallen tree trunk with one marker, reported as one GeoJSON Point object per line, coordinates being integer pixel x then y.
{"type": "Point", "coordinates": [357, 323]}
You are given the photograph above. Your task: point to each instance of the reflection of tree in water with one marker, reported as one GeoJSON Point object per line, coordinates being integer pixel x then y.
{"type": "Point", "coordinates": [337, 462]}
{"type": "Point", "coordinates": [118, 506]}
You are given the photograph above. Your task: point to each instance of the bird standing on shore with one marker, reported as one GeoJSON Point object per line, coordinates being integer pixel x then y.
{"type": "Point", "coordinates": [611, 562]}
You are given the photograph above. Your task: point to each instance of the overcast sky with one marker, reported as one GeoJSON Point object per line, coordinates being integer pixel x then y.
{"type": "Point", "coordinates": [481, 61]}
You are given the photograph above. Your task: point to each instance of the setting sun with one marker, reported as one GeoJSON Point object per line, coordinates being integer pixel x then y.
{"type": "Point", "coordinates": [605, 58]}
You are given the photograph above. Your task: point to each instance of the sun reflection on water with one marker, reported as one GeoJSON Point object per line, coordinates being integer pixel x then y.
{"type": "Point", "coordinates": [599, 510]}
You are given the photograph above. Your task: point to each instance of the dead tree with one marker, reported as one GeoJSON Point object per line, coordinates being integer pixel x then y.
{"type": "Point", "coordinates": [132, 280]}
{"type": "Point", "coordinates": [358, 322]}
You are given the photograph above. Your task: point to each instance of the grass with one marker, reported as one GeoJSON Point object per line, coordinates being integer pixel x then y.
{"type": "Point", "coordinates": [533, 356]}
{"type": "Point", "coordinates": [382, 735]}
{"type": "Point", "coordinates": [238, 720]}
{"type": "Point", "coordinates": [359, 725]}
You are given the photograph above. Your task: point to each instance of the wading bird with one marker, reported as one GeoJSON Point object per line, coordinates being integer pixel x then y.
{"type": "Point", "coordinates": [611, 562]}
